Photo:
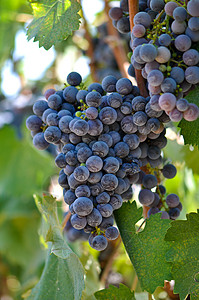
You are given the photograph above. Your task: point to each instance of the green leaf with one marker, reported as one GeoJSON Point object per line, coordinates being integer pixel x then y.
{"type": "Point", "coordinates": [184, 255]}
{"type": "Point", "coordinates": [146, 249]}
{"type": "Point", "coordinates": [114, 293]}
{"type": "Point", "coordinates": [63, 275]}
{"type": "Point", "coordinates": [54, 21]}
{"type": "Point", "coordinates": [189, 130]}
{"type": "Point", "coordinates": [60, 280]}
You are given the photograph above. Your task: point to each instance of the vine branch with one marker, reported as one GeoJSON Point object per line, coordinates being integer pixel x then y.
{"type": "Point", "coordinates": [133, 9]}
{"type": "Point", "coordinates": [90, 50]}
{"type": "Point", "coordinates": [115, 44]}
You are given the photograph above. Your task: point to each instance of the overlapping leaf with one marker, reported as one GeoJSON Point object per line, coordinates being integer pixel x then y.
{"type": "Point", "coordinates": [114, 293]}
{"type": "Point", "coordinates": [54, 21]}
{"type": "Point", "coordinates": [184, 255]}
{"type": "Point", "coordinates": [146, 249]}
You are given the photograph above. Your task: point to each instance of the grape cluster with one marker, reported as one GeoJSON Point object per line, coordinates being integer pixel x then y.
{"type": "Point", "coordinates": [104, 134]}
{"type": "Point", "coordinates": [164, 39]}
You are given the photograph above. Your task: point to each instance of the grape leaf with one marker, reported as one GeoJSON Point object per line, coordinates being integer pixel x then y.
{"type": "Point", "coordinates": [63, 275]}
{"type": "Point", "coordinates": [114, 293]}
{"type": "Point", "coordinates": [54, 21]}
{"type": "Point", "coordinates": [60, 280]}
{"type": "Point", "coordinates": [184, 255]}
{"type": "Point", "coordinates": [189, 130]}
{"type": "Point", "coordinates": [146, 249]}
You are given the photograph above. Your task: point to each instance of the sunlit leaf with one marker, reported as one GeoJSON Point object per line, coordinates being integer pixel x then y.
{"type": "Point", "coordinates": [54, 21]}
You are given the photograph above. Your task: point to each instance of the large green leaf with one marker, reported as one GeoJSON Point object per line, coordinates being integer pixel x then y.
{"type": "Point", "coordinates": [114, 293]}
{"type": "Point", "coordinates": [63, 275]}
{"type": "Point", "coordinates": [146, 249]}
{"type": "Point", "coordinates": [184, 255]}
{"type": "Point", "coordinates": [60, 280]}
{"type": "Point", "coordinates": [54, 21]}
{"type": "Point", "coordinates": [190, 130]}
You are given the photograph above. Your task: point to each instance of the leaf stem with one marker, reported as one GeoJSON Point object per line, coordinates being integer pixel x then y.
{"type": "Point", "coordinates": [133, 9]}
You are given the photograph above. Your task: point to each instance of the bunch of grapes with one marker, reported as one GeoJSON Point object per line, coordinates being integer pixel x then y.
{"type": "Point", "coordinates": [164, 39]}
{"type": "Point", "coordinates": [104, 135]}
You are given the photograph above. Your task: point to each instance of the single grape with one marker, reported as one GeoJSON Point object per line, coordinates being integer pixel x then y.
{"type": "Point", "coordinates": [164, 39]}
{"type": "Point", "coordinates": [177, 73]}
{"type": "Point", "coordinates": [83, 206]}
{"type": "Point", "coordinates": [163, 55]}
{"type": "Point", "coordinates": [148, 52]}
{"type": "Point", "coordinates": [192, 113]}
{"type": "Point", "coordinates": [111, 165]}
{"type": "Point", "coordinates": [78, 222]}
{"type": "Point", "coordinates": [115, 13]}
{"type": "Point", "coordinates": [146, 197]}
{"type": "Point", "coordinates": [193, 23]}
{"type": "Point", "coordinates": [39, 141]}
{"type": "Point", "coordinates": [157, 5]}
{"type": "Point", "coordinates": [55, 101]}
{"type": "Point", "coordinates": [191, 57]}
{"type": "Point", "coordinates": [192, 75]}
{"type": "Point", "coordinates": [109, 182]}
{"type": "Point", "coordinates": [109, 82]}
{"type": "Point", "coordinates": [155, 77]}
{"type": "Point", "coordinates": [169, 171]}
{"type": "Point", "coordinates": [39, 107]}
{"type": "Point", "coordinates": [103, 198]}
{"type": "Point", "coordinates": [193, 8]}
{"type": "Point", "coordinates": [138, 30]}
{"type": "Point", "coordinates": [112, 233]}
{"type": "Point", "coordinates": [175, 115]}
{"type": "Point", "coordinates": [69, 197]}
{"type": "Point", "coordinates": [82, 191]}
{"type": "Point", "coordinates": [149, 181]}
{"type": "Point", "coordinates": [94, 163]}
{"type": "Point", "coordinates": [121, 149]}
{"type": "Point", "coordinates": [182, 42]}
{"type": "Point", "coordinates": [34, 123]}
{"type": "Point", "coordinates": [124, 86]}
{"type": "Point", "coordinates": [93, 99]}
{"type": "Point", "coordinates": [94, 219]}
{"type": "Point", "coordinates": [142, 18]}
{"type": "Point", "coordinates": [52, 134]}
{"type": "Point", "coordinates": [167, 101]}
{"type": "Point", "coordinates": [114, 100]}
{"type": "Point", "coordinates": [168, 85]}
{"type": "Point", "coordinates": [99, 243]}
{"type": "Point", "coordinates": [123, 25]}
{"type": "Point", "coordinates": [74, 79]}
